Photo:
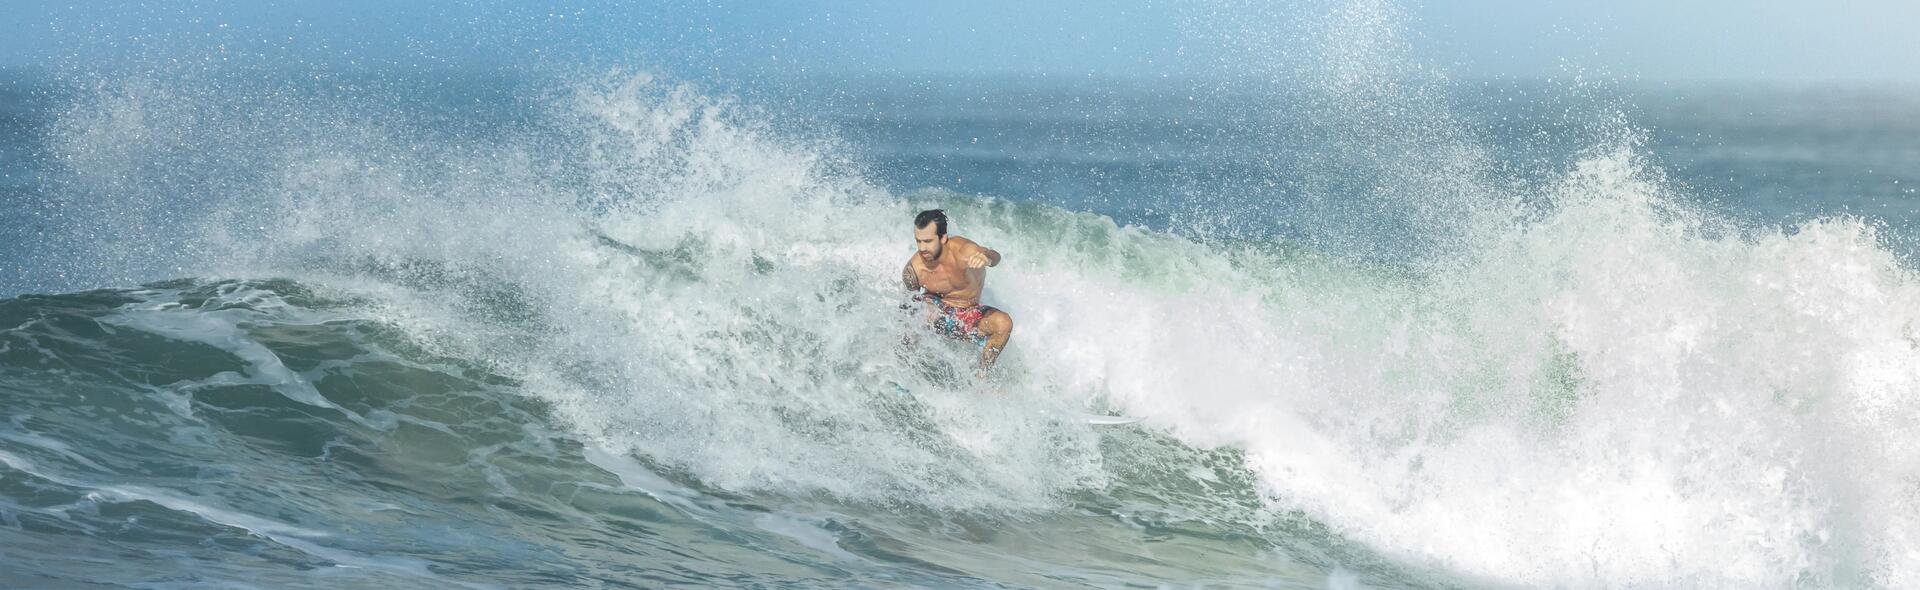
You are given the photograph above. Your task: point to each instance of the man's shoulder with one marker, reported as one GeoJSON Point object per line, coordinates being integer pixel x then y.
{"type": "Point", "coordinates": [961, 242]}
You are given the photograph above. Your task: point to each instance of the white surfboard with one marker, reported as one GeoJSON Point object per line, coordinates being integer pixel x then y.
{"type": "Point", "coordinates": [1093, 419]}
{"type": "Point", "coordinates": [1100, 420]}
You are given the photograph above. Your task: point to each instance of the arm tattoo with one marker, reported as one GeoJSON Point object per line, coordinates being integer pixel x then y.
{"type": "Point", "coordinates": [909, 278]}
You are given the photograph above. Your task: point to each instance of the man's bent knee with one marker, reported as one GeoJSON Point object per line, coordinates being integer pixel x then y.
{"type": "Point", "coordinates": [998, 323]}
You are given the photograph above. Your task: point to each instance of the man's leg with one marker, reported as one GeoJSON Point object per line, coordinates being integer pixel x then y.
{"type": "Point", "coordinates": [998, 328]}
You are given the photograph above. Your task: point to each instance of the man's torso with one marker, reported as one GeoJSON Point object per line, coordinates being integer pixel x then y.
{"type": "Point", "coordinates": [949, 277]}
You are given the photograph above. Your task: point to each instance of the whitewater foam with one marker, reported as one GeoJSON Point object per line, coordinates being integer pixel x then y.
{"type": "Point", "coordinates": [1617, 390]}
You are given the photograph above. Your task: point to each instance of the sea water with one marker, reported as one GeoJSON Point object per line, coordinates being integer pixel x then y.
{"type": "Point", "coordinates": [558, 328]}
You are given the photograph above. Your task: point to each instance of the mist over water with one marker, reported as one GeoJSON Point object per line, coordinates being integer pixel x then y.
{"type": "Point", "coordinates": [618, 328]}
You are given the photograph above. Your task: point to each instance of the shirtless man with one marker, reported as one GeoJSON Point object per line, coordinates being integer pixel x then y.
{"type": "Point", "coordinates": [950, 271]}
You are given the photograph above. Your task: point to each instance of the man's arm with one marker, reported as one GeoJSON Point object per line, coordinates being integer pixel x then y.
{"type": "Point", "coordinates": [981, 256]}
{"type": "Point", "coordinates": [908, 279]}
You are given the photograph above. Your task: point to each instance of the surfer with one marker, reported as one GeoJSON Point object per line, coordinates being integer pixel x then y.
{"type": "Point", "coordinates": [949, 272]}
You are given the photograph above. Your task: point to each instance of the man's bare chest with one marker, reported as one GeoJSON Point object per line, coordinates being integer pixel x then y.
{"type": "Point", "coordinates": [944, 278]}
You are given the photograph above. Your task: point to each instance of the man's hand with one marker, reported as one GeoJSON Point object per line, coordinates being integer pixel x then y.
{"type": "Point", "coordinates": [978, 260]}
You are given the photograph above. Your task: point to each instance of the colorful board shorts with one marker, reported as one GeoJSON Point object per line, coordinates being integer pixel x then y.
{"type": "Point", "coordinates": [959, 322]}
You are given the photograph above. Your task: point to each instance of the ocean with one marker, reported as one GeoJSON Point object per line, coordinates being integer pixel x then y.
{"type": "Point", "coordinates": [325, 328]}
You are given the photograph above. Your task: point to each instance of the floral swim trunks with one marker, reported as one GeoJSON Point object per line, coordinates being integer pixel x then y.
{"type": "Point", "coordinates": [958, 322]}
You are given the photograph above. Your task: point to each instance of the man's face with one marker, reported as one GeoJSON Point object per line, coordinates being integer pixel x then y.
{"type": "Point", "coordinates": [928, 242]}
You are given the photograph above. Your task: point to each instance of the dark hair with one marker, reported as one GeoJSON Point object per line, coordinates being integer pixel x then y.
{"type": "Point", "coordinates": [934, 216]}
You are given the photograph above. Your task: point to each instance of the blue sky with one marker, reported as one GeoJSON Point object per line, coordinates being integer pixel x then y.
{"type": "Point", "coordinates": [1774, 40]}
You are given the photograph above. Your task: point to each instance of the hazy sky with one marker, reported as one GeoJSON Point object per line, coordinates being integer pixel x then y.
{"type": "Point", "coordinates": [1778, 40]}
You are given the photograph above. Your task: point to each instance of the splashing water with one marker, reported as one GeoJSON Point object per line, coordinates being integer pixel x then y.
{"type": "Point", "coordinates": [642, 288]}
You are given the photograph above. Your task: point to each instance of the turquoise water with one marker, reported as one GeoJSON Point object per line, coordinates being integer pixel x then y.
{"type": "Point", "coordinates": [518, 329]}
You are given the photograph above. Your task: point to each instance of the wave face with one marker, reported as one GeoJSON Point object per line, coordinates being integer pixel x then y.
{"type": "Point", "coordinates": [262, 432]}
{"type": "Point", "coordinates": [618, 331]}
